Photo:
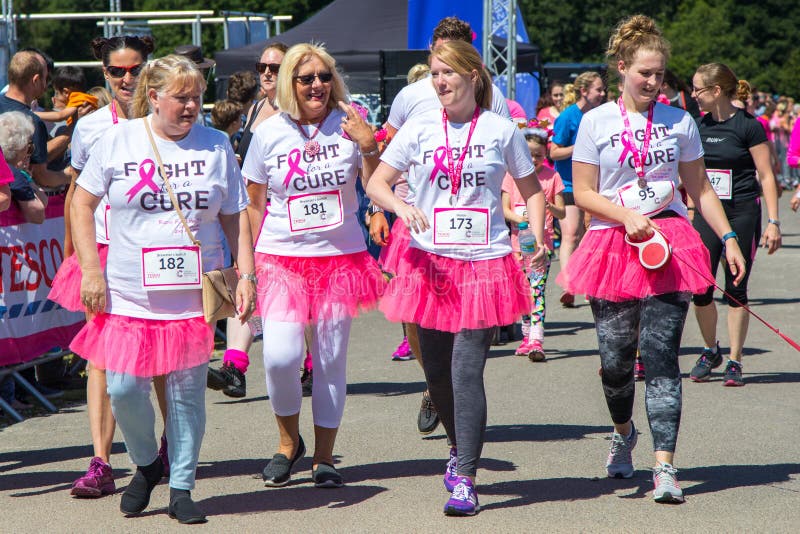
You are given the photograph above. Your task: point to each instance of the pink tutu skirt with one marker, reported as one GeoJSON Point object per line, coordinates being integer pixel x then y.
{"type": "Point", "coordinates": [144, 347]}
{"type": "Point", "coordinates": [447, 294]}
{"type": "Point", "coordinates": [66, 288]}
{"type": "Point", "coordinates": [301, 290]}
{"type": "Point", "coordinates": [398, 244]}
{"type": "Point", "coordinates": [604, 266]}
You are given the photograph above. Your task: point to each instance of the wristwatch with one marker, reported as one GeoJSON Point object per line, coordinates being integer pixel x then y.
{"type": "Point", "coordinates": [248, 276]}
{"type": "Point", "coordinates": [776, 222]}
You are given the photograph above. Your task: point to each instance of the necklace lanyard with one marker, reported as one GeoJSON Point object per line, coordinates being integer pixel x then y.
{"type": "Point", "coordinates": [311, 146]}
{"type": "Point", "coordinates": [455, 173]}
{"type": "Point", "coordinates": [114, 117]}
{"type": "Point", "coordinates": [628, 141]}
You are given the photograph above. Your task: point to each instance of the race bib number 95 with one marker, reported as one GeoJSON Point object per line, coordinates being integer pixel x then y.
{"type": "Point", "coordinates": [461, 226]}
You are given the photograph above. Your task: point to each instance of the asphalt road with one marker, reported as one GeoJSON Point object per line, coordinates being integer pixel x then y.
{"type": "Point", "coordinates": [543, 462]}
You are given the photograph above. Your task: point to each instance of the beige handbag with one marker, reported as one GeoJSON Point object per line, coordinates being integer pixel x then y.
{"type": "Point", "coordinates": [219, 285]}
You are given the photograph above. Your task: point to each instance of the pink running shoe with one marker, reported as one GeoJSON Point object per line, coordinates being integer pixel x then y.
{"type": "Point", "coordinates": [97, 481]}
{"type": "Point", "coordinates": [524, 348]}
{"type": "Point", "coordinates": [536, 353]}
{"type": "Point", "coordinates": [638, 370]}
{"type": "Point", "coordinates": [403, 352]}
{"type": "Point", "coordinates": [163, 453]}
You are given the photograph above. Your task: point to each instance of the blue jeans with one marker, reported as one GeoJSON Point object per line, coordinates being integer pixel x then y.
{"type": "Point", "coordinates": [186, 419]}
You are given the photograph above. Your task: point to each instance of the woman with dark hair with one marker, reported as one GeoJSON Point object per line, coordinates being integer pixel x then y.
{"type": "Point", "coordinates": [459, 240]}
{"type": "Point", "coordinates": [550, 104]}
{"type": "Point", "coordinates": [737, 156]}
{"type": "Point", "coordinates": [123, 59]}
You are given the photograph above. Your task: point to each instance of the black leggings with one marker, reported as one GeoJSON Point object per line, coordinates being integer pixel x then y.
{"type": "Point", "coordinates": [453, 365]}
{"type": "Point", "coordinates": [654, 325]}
{"type": "Point", "coordinates": [745, 219]}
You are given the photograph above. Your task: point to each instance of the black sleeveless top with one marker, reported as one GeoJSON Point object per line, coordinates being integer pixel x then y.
{"type": "Point", "coordinates": [247, 133]}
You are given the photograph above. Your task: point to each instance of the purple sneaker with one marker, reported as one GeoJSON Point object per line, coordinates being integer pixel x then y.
{"type": "Point", "coordinates": [97, 481]}
{"type": "Point", "coordinates": [164, 455]}
{"type": "Point", "coordinates": [450, 475]}
{"type": "Point", "coordinates": [464, 500]}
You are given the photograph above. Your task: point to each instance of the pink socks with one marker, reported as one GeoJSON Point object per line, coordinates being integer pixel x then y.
{"type": "Point", "coordinates": [238, 358]}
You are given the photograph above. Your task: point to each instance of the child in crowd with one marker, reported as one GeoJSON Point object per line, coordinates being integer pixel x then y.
{"type": "Point", "coordinates": [515, 213]}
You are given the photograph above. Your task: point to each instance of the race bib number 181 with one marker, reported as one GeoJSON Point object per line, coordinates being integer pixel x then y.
{"type": "Point", "coordinates": [315, 212]}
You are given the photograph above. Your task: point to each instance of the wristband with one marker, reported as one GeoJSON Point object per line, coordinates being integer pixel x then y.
{"type": "Point", "coordinates": [249, 276]}
{"type": "Point", "coordinates": [730, 235]}
{"type": "Point", "coordinates": [776, 222]}
{"type": "Point", "coordinates": [374, 208]}
{"type": "Point", "coordinates": [371, 153]}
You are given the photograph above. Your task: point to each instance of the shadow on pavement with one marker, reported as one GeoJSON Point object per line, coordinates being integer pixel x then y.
{"type": "Point", "coordinates": [413, 468]}
{"type": "Point", "coordinates": [708, 479]}
{"type": "Point", "coordinates": [506, 433]}
{"type": "Point", "coordinates": [28, 458]}
{"type": "Point", "coordinates": [567, 328]}
{"type": "Point", "coordinates": [296, 498]}
{"type": "Point", "coordinates": [386, 389]}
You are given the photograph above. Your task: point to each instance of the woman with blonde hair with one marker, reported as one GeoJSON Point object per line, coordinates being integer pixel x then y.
{"type": "Point", "coordinates": [311, 257]}
{"type": "Point", "coordinates": [589, 92]}
{"type": "Point", "coordinates": [148, 320]}
{"type": "Point", "coordinates": [456, 158]}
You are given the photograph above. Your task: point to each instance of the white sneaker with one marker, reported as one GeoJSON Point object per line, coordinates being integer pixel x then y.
{"type": "Point", "coordinates": [620, 462]}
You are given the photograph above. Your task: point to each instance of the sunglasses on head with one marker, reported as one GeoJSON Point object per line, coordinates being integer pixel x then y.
{"type": "Point", "coordinates": [273, 67]}
{"type": "Point", "coordinates": [308, 79]}
{"type": "Point", "coordinates": [119, 72]}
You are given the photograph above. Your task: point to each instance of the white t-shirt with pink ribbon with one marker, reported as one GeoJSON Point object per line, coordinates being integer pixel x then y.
{"type": "Point", "coordinates": [471, 226]}
{"type": "Point", "coordinates": [205, 177]}
{"type": "Point", "coordinates": [313, 207]}
{"type": "Point", "coordinates": [674, 139]}
{"type": "Point", "coordinates": [88, 130]}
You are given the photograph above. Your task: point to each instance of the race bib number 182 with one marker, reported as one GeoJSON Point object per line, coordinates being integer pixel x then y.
{"type": "Point", "coordinates": [170, 268]}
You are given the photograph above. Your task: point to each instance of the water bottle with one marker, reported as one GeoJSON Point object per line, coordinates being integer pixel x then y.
{"type": "Point", "coordinates": [527, 244]}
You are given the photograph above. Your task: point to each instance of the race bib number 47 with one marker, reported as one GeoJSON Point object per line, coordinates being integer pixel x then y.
{"type": "Point", "coordinates": [170, 268]}
{"type": "Point", "coordinates": [315, 212]}
{"type": "Point", "coordinates": [721, 180]}
{"type": "Point", "coordinates": [461, 226]}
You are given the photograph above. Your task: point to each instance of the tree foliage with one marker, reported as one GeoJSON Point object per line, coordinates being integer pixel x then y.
{"type": "Point", "coordinates": [757, 38]}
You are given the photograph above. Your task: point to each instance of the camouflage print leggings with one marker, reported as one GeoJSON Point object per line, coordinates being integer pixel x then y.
{"type": "Point", "coordinates": [659, 321]}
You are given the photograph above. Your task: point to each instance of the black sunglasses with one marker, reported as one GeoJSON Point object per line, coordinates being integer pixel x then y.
{"type": "Point", "coordinates": [273, 67]}
{"type": "Point", "coordinates": [308, 79]}
{"type": "Point", "coordinates": [119, 72]}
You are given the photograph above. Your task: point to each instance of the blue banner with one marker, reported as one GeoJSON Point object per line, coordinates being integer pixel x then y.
{"type": "Point", "coordinates": [424, 15]}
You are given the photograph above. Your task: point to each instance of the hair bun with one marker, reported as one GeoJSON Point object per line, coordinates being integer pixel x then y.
{"type": "Point", "coordinates": [97, 45]}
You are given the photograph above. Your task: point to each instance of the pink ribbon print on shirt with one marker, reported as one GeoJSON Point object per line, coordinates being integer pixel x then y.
{"type": "Point", "coordinates": [627, 147]}
{"type": "Point", "coordinates": [439, 163]}
{"type": "Point", "coordinates": [293, 160]}
{"type": "Point", "coordinates": [147, 169]}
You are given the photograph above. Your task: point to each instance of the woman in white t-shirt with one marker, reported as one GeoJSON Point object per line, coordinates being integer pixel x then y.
{"type": "Point", "coordinates": [123, 58]}
{"type": "Point", "coordinates": [149, 308]}
{"type": "Point", "coordinates": [626, 165]}
{"type": "Point", "coordinates": [311, 257]}
{"type": "Point", "coordinates": [458, 280]}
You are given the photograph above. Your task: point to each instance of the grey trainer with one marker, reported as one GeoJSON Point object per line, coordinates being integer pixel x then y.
{"type": "Point", "coordinates": [620, 463]}
{"type": "Point", "coordinates": [665, 481]}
